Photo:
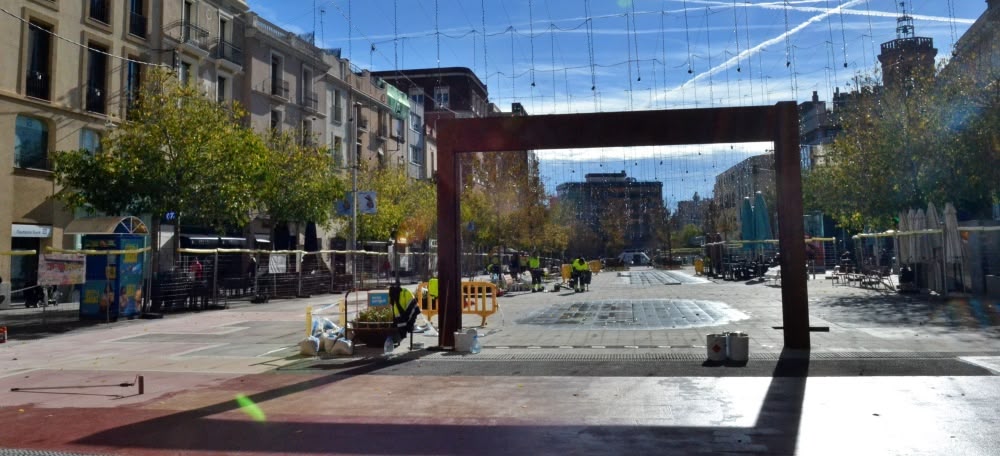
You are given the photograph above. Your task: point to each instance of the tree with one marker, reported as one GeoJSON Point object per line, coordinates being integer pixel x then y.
{"type": "Point", "coordinates": [180, 151]}
{"type": "Point", "coordinates": [905, 145]}
{"type": "Point", "coordinates": [406, 206]}
{"type": "Point", "coordinates": [300, 183]}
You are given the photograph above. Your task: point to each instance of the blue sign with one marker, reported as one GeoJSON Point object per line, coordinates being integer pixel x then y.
{"type": "Point", "coordinates": [378, 299]}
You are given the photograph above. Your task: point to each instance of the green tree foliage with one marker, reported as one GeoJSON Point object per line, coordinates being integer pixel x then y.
{"type": "Point", "coordinates": [179, 151]}
{"type": "Point", "coordinates": [405, 205]}
{"type": "Point", "coordinates": [905, 145]}
{"type": "Point", "coordinates": [301, 182]}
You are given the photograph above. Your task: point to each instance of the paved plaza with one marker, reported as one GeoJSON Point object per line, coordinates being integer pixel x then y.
{"type": "Point", "coordinates": [617, 369]}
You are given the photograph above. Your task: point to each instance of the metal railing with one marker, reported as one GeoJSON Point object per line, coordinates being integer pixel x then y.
{"type": "Point", "coordinates": [310, 101]}
{"type": "Point", "coordinates": [289, 38]}
{"type": "Point", "coordinates": [137, 24]}
{"type": "Point", "coordinates": [187, 33]}
{"type": "Point", "coordinates": [228, 51]}
{"type": "Point", "coordinates": [36, 85]}
{"type": "Point", "coordinates": [277, 87]}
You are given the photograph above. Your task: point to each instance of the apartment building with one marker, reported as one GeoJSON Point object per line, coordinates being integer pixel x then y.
{"type": "Point", "coordinates": [67, 75]}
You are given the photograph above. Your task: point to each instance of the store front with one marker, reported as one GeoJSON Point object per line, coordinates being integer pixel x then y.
{"type": "Point", "coordinates": [24, 268]}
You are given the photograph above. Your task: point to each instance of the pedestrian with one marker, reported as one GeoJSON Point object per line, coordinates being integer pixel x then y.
{"type": "Point", "coordinates": [535, 268]}
{"type": "Point", "coordinates": [515, 265]}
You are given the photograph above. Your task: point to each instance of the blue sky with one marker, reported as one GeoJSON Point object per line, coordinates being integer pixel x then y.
{"type": "Point", "coordinates": [636, 55]}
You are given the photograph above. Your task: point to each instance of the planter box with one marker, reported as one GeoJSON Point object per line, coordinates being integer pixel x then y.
{"type": "Point", "coordinates": [372, 334]}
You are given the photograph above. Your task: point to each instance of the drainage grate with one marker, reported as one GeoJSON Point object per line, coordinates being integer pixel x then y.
{"type": "Point", "coordinates": [21, 452]}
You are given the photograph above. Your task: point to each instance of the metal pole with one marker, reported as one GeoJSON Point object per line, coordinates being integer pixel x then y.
{"type": "Point", "coordinates": [215, 279]}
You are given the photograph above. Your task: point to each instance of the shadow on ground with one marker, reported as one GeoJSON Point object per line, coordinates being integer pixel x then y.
{"type": "Point", "coordinates": [900, 309]}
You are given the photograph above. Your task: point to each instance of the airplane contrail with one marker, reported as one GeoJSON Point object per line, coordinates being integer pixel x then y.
{"type": "Point", "coordinates": [754, 50]}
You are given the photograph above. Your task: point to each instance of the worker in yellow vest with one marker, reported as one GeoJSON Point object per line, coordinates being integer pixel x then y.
{"type": "Point", "coordinates": [580, 277]}
{"type": "Point", "coordinates": [535, 266]}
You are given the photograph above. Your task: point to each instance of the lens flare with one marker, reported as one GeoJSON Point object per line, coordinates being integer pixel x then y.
{"type": "Point", "coordinates": [250, 408]}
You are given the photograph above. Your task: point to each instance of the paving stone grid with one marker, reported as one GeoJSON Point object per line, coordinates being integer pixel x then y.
{"type": "Point", "coordinates": [635, 314]}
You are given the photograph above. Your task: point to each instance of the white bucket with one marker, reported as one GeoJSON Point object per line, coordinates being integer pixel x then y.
{"type": "Point", "coordinates": [715, 344]}
{"type": "Point", "coordinates": [739, 346]}
{"type": "Point", "coordinates": [463, 341]}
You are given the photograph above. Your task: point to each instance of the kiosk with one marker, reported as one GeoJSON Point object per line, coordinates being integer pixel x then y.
{"type": "Point", "coordinates": [113, 286]}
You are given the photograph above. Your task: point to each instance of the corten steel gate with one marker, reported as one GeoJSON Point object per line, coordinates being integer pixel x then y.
{"type": "Point", "coordinates": [778, 123]}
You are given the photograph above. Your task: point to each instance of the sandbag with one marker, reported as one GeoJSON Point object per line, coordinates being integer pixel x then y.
{"type": "Point", "coordinates": [309, 346]}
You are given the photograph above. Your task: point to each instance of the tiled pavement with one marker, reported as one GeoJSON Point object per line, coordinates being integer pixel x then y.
{"type": "Point", "coordinates": [893, 375]}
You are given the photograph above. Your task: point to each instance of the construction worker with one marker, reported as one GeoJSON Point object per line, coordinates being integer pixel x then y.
{"type": "Point", "coordinates": [535, 266]}
{"type": "Point", "coordinates": [580, 275]}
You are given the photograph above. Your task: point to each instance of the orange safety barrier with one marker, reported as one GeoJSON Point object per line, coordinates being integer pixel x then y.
{"type": "Point", "coordinates": [478, 298]}
{"type": "Point", "coordinates": [428, 305]}
{"type": "Point", "coordinates": [595, 266]}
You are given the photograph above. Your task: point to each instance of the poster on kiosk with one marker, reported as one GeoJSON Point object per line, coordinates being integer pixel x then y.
{"type": "Point", "coordinates": [114, 282]}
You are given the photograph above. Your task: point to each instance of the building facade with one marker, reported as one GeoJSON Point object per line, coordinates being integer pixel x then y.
{"type": "Point", "coordinates": [604, 195]}
{"type": "Point", "coordinates": [65, 83]}
{"type": "Point", "coordinates": [742, 180]}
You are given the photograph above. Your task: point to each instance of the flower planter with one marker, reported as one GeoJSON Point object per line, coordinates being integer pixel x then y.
{"type": "Point", "coordinates": [372, 333]}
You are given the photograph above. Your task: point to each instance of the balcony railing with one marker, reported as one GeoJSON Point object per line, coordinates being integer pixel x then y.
{"type": "Point", "coordinates": [96, 99]}
{"type": "Point", "coordinates": [185, 32]}
{"type": "Point", "coordinates": [37, 85]}
{"type": "Point", "coordinates": [310, 101]}
{"type": "Point", "coordinates": [99, 11]}
{"type": "Point", "coordinates": [278, 88]}
{"type": "Point", "coordinates": [137, 25]}
{"type": "Point", "coordinates": [228, 51]}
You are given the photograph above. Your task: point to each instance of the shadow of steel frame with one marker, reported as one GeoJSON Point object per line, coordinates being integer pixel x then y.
{"type": "Point", "coordinates": [778, 123]}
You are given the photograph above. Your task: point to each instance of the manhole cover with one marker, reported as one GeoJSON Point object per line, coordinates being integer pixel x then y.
{"type": "Point", "coordinates": [635, 314]}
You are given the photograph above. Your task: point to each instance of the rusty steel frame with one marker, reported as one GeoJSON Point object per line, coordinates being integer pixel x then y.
{"type": "Point", "coordinates": [778, 123]}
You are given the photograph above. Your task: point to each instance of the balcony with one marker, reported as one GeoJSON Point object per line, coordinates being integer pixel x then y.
{"type": "Point", "coordinates": [36, 85]}
{"type": "Point", "coordinates": [225, 50]}
{"type": "Point", "coordinates": [96, 99]}
{"type": "Point", "coordinates": [137, 25]}
{"type": "Point", "coordinates": [363, 124]}
{"type": "Point", "coordinates": [310, 101]}
{"type": "Point", "coordinates": [190, 35]}
{"type": "Point", "coordinates": [277, 88]}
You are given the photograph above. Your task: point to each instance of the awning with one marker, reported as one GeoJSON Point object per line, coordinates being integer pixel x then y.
{"type": "Point", "coordinates": [106, 225]}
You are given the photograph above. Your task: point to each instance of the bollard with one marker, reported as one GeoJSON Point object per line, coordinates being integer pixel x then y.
{"type": "Point", "coordinates": [309, 321]}
{"type": "Point", "coordinates": [142, 385]}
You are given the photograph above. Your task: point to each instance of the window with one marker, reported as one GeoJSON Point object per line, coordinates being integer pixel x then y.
{"type": "Point", "coordinates": [276, 120]}
{"type": "Point", "coordinates": [221, 87]}
{"type": "Point", "coordinates": [416, 123]}
{"type": "Point", "coordinates": [307, 132]}
{"type": "Point", "coordinates": [31, 143]}
{"type": "Point", "coordinates": [100, 11]}
{"type": "Point", "coordinates": [90, 140]}
{"type": "Point", "coordinates": [416, 155]}
{"type": "Point", "coordinates": [223, 29]}
{"type": "Point", "coordinates": [133, 74]}
{"type": "Point", "coordinates": [278, 86]}
{"type": "Point", "coordinates": [308, 97]}
{"type": "Point", "coordinates": [336, 109]}
{"type": "Point", "coordinates": [338, 151]}
{"type": "Point", "coordinates": [186, 15]}
{"type": "Point", "coordinates": [97, 77]}
{"type": "Point", "coordinates": [36, 81]}
{"type": "Point", "coordinates": [185, 75]}
{"type": "Point", "coordinates": [398, 128]}
{"type": "Point", "coordinates": [441, 97]}
{"type": "Point", "coordinates": [136, 18]}
{"type": "Point", "coordinates": [417, 95]}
